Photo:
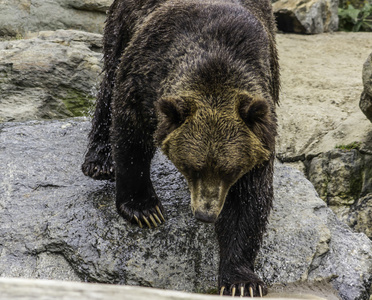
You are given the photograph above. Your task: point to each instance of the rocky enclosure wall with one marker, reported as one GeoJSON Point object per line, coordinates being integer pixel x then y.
{"type": "Point", "coordinates": [58, 224]}
{"type": "Point", "coordinates": [19, 17]}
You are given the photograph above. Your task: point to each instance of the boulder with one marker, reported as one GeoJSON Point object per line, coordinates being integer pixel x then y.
{"type": "Point", "coordinates": [22, 16]}
{"type": "Point", "coordinates": [58, 224]}
{"type": "Point", "coordinates": [365, 103]}
{"type": "Point", "coordinates": [307, 16]}
{"type": "Point", "coordinates": [51, 74]}
{"type": "Point", "coordinates": [360, 214]}
{"type": "Point", "coordinates": [342, 177]}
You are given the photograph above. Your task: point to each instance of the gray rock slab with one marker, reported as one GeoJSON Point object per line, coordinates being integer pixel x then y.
{"type": "Point", "coordinates": [27, 289]}
{"type": "Point", "coordinates": [51, 74]}
{"type": "Point", "coordinates": [22, 16]}
{"type": "Point", "coordinates": [58, 224]}
{"type": "Point", "coordinates": [343, 179]}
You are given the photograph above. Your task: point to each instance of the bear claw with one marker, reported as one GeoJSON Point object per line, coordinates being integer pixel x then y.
{"type": "Point", "coordinates": [160, 214]}
{"type": "Point", "coordinates": [221, 291]}
{"type": "Point", "coordinates": [154, 218]}
{"type": "Point", "coordinates": [233, 291]}
{"type": "Point", "coordinates": [138, 222]}
{"type": "Point", "coordinates": [242, 291]}
{"type": "Point", "coordinates": [99, 172]}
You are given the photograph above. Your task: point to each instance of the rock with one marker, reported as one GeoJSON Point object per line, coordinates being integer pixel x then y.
{"type": "Point", "coordinates": [30, 289]}
{"type": "Point", "coordinates": [19, 17]}
{"type": "Point", "coordinates": [52, 74]}
{"type": "Point", "coordinates": [308, 16]}
{"type": "Point", "coordinates": [360, 214]}
{"type": "Point", "coordinates": [365, 103]}
{"type": "Point", "coordinates": [58, 224]}
{"type": "Point", "coordinates": [341, 177]}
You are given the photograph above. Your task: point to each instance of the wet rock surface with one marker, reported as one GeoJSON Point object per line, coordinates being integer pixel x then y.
{"type": "Point", "coordinates": [51, 74]}
{"type": "Point", "coordinates": [58, 224]}
{"type": "Point", "coordinates": [21, 16]}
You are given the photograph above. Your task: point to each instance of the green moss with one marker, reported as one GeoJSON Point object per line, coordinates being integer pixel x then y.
{"type": "Point", "coordinates": [353, 145]}
{"type": "Point", "coordinates": [210, 291]}
{"type": "Point", "coordinates": [77, 102]}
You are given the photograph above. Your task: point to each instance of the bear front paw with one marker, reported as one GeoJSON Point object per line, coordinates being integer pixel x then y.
{"type": "Point", "coordinates": [148, 217]}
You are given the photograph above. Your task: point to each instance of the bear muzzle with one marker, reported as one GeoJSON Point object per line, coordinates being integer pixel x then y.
{"type": "Point", "coordinates": [207, 200]}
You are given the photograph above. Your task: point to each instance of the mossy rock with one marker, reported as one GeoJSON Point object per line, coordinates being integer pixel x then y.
{"type": "Point", "coordinates": [78, 103]}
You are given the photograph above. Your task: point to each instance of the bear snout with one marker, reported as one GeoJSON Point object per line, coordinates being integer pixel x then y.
{"type": "Point", "coordinates": [207, 200]}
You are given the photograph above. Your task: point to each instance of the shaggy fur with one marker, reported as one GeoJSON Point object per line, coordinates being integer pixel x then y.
{"type": "Point", "coordinates": [200, 79]}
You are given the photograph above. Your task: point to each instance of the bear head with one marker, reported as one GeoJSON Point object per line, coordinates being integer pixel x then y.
{"type": "Point", "coordinates": [213, 141]}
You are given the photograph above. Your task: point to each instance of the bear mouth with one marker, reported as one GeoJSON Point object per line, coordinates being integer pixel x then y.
{"type": "Point", "coordinates": [205, 217]}
{"type": "Point", "coordinates": [207, 200]}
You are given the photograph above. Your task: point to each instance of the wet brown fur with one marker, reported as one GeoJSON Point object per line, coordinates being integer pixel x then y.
{"type": "Point", "coordinates": [199, 79]}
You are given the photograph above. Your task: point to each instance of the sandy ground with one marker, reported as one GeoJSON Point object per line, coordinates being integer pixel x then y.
{"type": "Point", "coordinates": [321, 87]}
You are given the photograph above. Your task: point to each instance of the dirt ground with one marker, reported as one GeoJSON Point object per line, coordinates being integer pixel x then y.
{"type": "Point", "coordinates": [321, 88]}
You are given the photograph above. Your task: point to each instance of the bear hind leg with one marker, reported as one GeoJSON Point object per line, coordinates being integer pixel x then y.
{"type": "Point", "coordinates": [98, 162]}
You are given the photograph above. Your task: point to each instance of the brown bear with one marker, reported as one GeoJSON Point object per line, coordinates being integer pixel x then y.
{"type": "Point", "coordinates": [199, 79]}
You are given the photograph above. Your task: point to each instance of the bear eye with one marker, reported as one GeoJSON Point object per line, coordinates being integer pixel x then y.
{"type": "Point", "coordinates": [253, 111]}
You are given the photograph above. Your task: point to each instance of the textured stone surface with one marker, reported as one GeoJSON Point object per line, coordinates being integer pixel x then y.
{"type": "Point", "coordinates": [360, 214]}
{"type": "Point", "coordinates": [52, 74]}
{"type": "Point", "coordinates": [21, 16]}
{"type": "Point", "coordinates": [307, 16]}
{"type": "Point", "coordinates": [341, 177]}
{"type": "Point", "coordinates": [28, 289]}
{"type": "Point", "coordinates": [58, 224]}
{"type": "Point", "coordinates": [366, 98]}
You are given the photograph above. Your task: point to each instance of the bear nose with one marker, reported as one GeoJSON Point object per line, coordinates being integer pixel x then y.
{"type": "Point", "coordinates": [206, 218]}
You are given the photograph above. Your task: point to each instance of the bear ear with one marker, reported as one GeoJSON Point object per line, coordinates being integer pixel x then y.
{"type": "Point", "coordinates": [173, 113]}
{"type": "Point", "coordinates": [253, 109]}
{"type": "Point", "coordinates": [173, 109]}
